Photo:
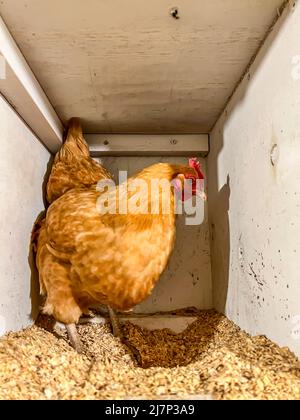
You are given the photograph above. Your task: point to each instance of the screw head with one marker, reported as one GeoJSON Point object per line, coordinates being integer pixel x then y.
{"type": "Point", "coordinates": [174, 12]}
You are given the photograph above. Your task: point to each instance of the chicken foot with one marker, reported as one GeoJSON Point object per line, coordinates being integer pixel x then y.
{"type": "Point", "coordinates": [74, 337]}
{"type": "Point", "coordinates": [117, 332]}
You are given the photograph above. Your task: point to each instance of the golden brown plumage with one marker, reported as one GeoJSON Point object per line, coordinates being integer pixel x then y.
{"type": "Point", "coordinates": [85, 257]}
{"type": "Point", "coordinates": [73, 167]}
{"type": "Point", "coordinates": [115, 259]}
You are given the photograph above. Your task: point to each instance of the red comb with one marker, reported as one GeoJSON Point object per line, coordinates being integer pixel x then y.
{"type": "Point", "coordinates": [194, 163]}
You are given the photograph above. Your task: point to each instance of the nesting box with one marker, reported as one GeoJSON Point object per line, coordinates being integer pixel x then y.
{"type": "Point", "coordinates": [162, 82]}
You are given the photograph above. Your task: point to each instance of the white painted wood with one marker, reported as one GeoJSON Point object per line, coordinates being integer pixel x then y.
{"type": "Point", "coordinates": [134, 68]}
{"type": "Point", "coordinates": [254, 193]}
{"type": "Point", "coordinates": [148, 145]}
{"type": "Point", "coordinates": [176, 324]}
{"type": "Point", "coordinates": [23, 91]}
{"type": "Point", "coordinates": [187, 279]}
{"type": "Point", "coordinates": [23, 163]}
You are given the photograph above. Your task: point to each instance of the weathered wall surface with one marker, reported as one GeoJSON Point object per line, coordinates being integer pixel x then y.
{"type": "Point", "coordinates": [254, 193]}
{"type": "Point", "coordinates": [23, 163]}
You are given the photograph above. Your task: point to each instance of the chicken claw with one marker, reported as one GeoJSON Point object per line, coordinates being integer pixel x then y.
{"type": "Point", "coordinates": [74, 337]}
{"type": "Point", "coordinates": [117, 332]}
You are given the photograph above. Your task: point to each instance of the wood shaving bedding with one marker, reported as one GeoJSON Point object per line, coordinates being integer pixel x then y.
{"type": "Point", "coordinates": [211, 357]}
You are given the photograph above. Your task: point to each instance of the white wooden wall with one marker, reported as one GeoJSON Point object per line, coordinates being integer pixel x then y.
{"type": "Point", "coordinates": [23, 163]}
{"type": "Point", "coordinates": [254, 193]}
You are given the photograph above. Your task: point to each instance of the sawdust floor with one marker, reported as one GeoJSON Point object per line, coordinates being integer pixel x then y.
{"type": "Point", "coordinates": [212, 357]}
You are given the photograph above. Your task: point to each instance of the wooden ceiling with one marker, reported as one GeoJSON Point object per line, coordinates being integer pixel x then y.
{"type": "Point", "coordinates": [130, 67]}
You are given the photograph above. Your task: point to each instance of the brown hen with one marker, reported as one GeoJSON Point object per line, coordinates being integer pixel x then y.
{"type": "Point", "coordinates": [87, 256]}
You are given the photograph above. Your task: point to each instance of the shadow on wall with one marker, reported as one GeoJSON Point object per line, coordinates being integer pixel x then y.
{"type": "Point", "coordinates": [220, 246]}
{"type": "Point", "coordinates": [34, 277]}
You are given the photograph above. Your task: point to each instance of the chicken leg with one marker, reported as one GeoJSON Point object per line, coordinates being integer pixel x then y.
{"type": "Point", "coordinates": [117, 332]}
{"type": "Point", "coordinates": [74, 337]}
{"type": "Point", "coordinates": [115, 323]}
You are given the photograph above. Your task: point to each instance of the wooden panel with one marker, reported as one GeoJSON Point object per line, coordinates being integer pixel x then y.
{"type": "Point", "coordinates": [20, 87]}
{"type": "Point", "coordinates": [133, 68]}
{"type": "Point", "coordinates": [148, 145]}
{"type": "Point", "coordinates": [151, 322]}
{"type": "Point", "coordinates": [19, 98]}
{"type": "Point", "coordinates": [23, 163]}
{"type": "Point", "coordinates": [254, 201]}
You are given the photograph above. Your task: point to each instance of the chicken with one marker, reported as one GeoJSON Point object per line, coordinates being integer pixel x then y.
{"type": "Point", "coordinates": [89, 252]}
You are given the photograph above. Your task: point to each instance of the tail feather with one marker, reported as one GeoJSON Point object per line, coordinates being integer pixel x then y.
{"type": "Point", "coordinates": [75, 144]}
{"type": "Point", "coordinates": [35, 234]}
{"type": "Point", "coordinates": [74, 127]}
